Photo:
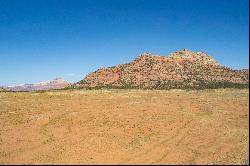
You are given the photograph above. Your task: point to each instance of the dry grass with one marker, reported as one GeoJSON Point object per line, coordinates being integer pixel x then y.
{"type": "Point", "coordinates": [125, 127]}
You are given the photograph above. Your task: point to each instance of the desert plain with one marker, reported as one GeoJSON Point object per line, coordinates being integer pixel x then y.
{"type": "Point", "coordinates": [125, 127]}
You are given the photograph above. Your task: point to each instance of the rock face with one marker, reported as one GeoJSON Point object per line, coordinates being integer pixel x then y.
{"type": "Point", "coordinates": [44, 85]}
{"type": "Point", "coordinates": [182, 69]}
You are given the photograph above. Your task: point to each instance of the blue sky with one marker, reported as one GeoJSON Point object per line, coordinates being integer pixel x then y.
{"type": "Point", "coordinates": [46, 39]}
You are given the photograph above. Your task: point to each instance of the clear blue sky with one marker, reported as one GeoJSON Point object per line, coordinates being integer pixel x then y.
{"type": "Point", "coordinates": [45, 39]}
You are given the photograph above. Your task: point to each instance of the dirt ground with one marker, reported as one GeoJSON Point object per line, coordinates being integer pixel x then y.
{"type": "Point", "coordinates": [125, 127]}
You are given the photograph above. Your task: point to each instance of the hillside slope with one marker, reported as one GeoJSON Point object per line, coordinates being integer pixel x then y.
{"type": "Point", "coordinates": [182, 69]}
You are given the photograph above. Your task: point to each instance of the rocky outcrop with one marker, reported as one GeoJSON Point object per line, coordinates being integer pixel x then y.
{"type": "Point", "coordinates": [182, 69]}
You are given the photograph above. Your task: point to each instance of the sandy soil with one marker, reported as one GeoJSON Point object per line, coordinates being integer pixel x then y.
{"type": "Point", "coordinates": [125, 127]}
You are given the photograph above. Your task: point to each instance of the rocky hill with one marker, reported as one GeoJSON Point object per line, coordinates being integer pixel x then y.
{"type": "Point", "coordinates": [182, 69]}
{"type": "Point", "coordinates": [43, 85]}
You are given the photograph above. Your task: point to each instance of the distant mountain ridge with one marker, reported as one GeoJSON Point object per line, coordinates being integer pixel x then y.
{"type": "Point", "coordinates": [182, 69]}
{"type": "Point", "coordinates": [57, 83]}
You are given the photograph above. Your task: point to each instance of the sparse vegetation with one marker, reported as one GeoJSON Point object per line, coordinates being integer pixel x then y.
{"type": "Point", "coordinates": [124, 127]}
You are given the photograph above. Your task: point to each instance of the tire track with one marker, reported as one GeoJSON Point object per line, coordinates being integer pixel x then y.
{"type": "Point", "coordinates": [159, 145]}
